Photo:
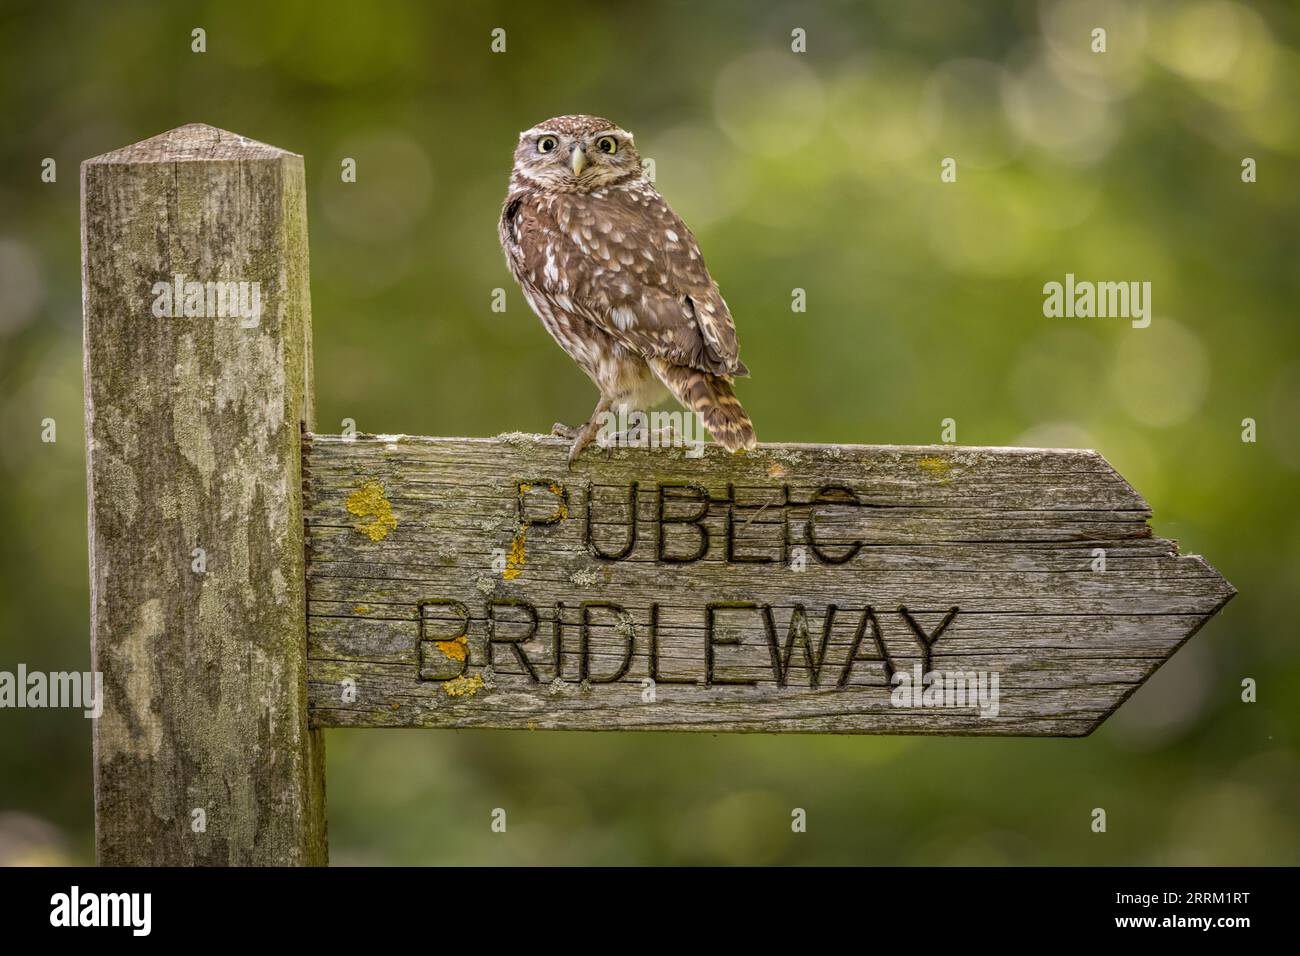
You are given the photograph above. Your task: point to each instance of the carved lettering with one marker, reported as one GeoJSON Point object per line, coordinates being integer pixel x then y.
{"type": "Point", "coordinates": [737, 638]}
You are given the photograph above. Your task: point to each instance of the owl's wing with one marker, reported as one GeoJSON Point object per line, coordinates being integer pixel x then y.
{"type": "Point", "coordinates": [623, 260]}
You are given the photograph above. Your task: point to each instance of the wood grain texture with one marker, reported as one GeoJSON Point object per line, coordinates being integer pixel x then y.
{"type": "Point", "coordinates": [193, 428]}
{"type": "Point", "coordinates": [412, 541]}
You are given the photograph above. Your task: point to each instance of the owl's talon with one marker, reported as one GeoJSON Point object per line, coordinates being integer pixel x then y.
{"type": "Point", "coordinates": [561, 430]}
{"type": "Point", "coordinates": [581, 441]}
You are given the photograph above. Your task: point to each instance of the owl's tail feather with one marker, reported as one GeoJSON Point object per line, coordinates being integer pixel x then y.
{"type": "Point", "coordinates": [712, 396]}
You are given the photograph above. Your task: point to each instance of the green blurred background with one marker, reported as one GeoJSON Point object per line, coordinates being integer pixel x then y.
{"type": "Point", "coordinates": [818, 171]}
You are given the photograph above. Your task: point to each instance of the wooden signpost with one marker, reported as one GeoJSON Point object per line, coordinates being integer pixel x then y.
{"type": "Point", "coordinates": [396, 581]}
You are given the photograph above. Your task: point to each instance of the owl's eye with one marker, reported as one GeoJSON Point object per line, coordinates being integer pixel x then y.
{"type": "Point", "coordinates": [607, 144]}
{"type": "Point", "coordinates": [547, 143]}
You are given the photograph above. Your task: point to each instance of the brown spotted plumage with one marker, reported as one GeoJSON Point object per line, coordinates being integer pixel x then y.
{"type": "Point", "coordinates": [617, 278]}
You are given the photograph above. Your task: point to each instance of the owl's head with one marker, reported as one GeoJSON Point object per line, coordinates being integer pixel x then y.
{"type": "Point", "coordinates": [576, 154]}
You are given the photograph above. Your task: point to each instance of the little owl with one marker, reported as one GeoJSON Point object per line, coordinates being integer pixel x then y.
{"type": "Point", "coordinates": [617, 279]}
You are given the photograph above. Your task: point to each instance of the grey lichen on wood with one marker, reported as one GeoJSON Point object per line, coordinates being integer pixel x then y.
{"type": "Point", "coordinates": [203, 754]}
{"type": "Point", "coordinates": [440, 572]}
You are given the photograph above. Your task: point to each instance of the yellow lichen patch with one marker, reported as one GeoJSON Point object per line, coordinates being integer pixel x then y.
{"type": "Point", "coordinates": [457, 649]}
{"type": "Point", "coordinates": [368, 502]}
{"type": "Point", "coordinates": [562, 512]}
{"type": "Point", "coordinates": [938, 467]}
{"type": "Point", "coordinates": [463, 686]}
{"type": "Point", "coordinates": [360, 609]}
{"type": "Point", "coordinates": [515, 557]}
{"type": "Point", "coordinates": [777, 470]}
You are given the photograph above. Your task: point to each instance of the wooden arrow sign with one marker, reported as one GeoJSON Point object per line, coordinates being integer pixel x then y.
{"type": "Point", "coordinates": [843, 589]}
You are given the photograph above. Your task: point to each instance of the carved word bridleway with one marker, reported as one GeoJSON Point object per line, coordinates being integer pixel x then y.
{"type": "Point", "coordinates": [482, 583]}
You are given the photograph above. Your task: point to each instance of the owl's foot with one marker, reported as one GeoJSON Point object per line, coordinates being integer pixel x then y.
{"type": "Point", "coordinates": [581, 440]}
{"type": "Point", "coordinates": [561, 430]}
{"type": "Point", "coordinates": [583, 436]}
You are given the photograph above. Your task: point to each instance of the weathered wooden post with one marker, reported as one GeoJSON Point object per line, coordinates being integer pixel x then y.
{"type": "Point", "coordinates": [198, 388]}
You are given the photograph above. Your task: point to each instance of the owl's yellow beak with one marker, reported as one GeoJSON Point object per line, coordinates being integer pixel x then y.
{"type": "Point", "coordinates": [578, 161]}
